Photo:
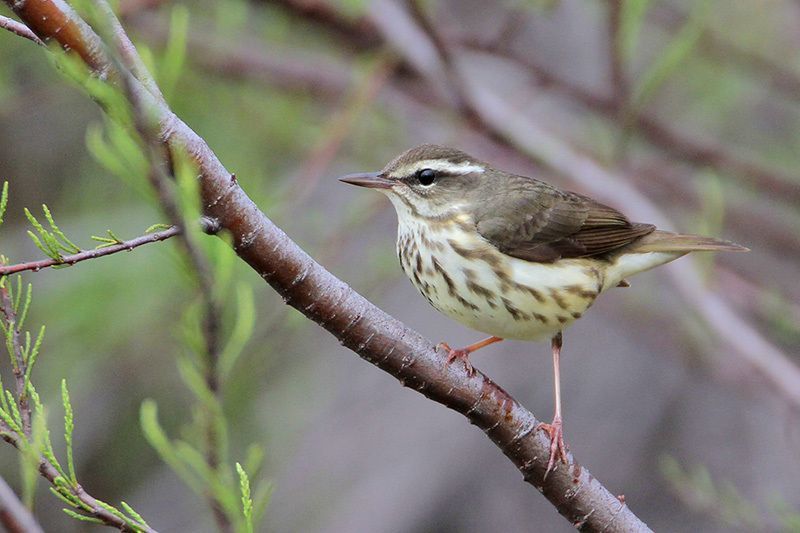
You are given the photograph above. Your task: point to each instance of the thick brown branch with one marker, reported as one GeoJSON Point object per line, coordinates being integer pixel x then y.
{"type": "Point", "coordinates": [376, 336]}
{"type": "Point", "coordinates": [70, 260]}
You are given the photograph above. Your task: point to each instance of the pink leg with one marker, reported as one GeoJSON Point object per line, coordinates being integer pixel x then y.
{"type": "Point", "coordinates": [463, 353]}
{"type": "Point", "coordinates": [554, 430]}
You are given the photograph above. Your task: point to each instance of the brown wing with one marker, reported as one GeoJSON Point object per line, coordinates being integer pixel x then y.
{"type": "Point", "coordinates": [537, 222]}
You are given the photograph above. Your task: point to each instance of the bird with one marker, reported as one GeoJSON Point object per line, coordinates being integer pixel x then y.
{"type": "Point", "coordinates": [513, 256]}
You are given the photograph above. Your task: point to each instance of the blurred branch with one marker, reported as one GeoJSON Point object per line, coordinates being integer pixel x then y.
{"type": "Point", "coordinates": [360, 31]}
{"type": "Point", "coordinates": [14, 516]}
{"type": "Point", "coordinates": [698, 152]}
{"type": "Point", "coordinates": [338, 130]}
{"type": "Point", "coordinates": [619, 81]}
{"type": "Point", "coordinates": [20, 29]}
{"type": "Point", "coordinates": [7, 270]}
{"type": "Point", "coordinates": [128, 8]}
{"type": "Point", "coordinates": [358, 324]}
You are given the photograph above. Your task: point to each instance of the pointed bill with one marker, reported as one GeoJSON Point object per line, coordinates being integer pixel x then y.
{"type": "Point", "coordinates": [372, 180]}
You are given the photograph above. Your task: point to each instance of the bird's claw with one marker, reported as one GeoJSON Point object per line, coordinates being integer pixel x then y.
{"type": "Point", "coordinates": [460, 354]}
{"type": "Point", "coordinates": [558, 449]}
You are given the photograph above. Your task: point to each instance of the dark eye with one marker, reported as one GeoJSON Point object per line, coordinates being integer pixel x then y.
{"type": "Point", "coordinates": [426, 176]}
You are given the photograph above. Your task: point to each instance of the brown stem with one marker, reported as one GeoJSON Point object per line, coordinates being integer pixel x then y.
{"type": "Point", "coordinates": [49, 472]}
{"type": "Point", "coordinates": [20, 29]}
{"type": "Point", "coordinates": [20, 366]}
{"type": "Point", "coordinates": [36, 266]}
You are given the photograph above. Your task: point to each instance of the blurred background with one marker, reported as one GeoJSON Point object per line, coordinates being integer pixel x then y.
{"type": "Point", "coordinates": [680, 392]}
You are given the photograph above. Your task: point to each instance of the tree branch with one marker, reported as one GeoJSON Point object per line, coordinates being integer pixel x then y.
{"type": "Point", "coordinates": [356, 323]}
{"type": "Point", "coordinates": [7, 270]}
{"type": "Point", "coordinates": [20, 29]}
{"type": "Point", "coordinates": [14, 516]}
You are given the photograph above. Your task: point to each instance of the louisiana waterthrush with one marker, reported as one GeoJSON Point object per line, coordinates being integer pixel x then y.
{"type": "Point", "coordinates": [510, 255]}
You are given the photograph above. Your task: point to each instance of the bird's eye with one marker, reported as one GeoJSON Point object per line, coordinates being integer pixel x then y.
{"type": "Point", "coordinates": [426, 177]}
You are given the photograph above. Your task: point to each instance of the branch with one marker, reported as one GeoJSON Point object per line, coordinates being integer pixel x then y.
{"type": "Point", "coordinates": [14, 516]}
{"type": "Point", "coordinates": [20, 29]}
{"type": "Point", "coordinates": [698, 152]}
{"type": "Point", "coordinates": [49, 472]}
{"type": "Point", "coordinates": [354, 321]}
{"type": "Point", "coordinates": [70, 260]}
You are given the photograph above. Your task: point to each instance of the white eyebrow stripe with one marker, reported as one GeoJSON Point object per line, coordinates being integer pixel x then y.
{"type": "Point", "coordinates": [465, 167]}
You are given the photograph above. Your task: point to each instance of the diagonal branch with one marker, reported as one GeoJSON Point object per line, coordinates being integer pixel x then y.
{"type": "Point", "coordinates": [19, 29]}
{"type": "Point", "coordinates": [124, 246]}
{"type": "Point", "coordinates": [354, 321]}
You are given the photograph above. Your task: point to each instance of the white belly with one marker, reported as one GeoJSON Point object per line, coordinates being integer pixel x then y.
{"type": "Point", "coordinates": [467, 279]}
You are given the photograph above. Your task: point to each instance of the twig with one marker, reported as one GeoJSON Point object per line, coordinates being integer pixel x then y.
{"type": "Point", "coordinates": [362, 327]}
{"type": "Point", "coordinates": [49, 472]}
{"type": "Point", "coordinates": [20, 367]}
{"type": "Point", "coordinates": [36, 266]}
{"type": "Point", "coordinates": [20, 29]}
{"type": "Point", "coordinates": [14, 516]}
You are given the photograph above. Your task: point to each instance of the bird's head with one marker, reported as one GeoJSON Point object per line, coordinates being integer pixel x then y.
{"type": "Point", "coordinates": [428, 181]}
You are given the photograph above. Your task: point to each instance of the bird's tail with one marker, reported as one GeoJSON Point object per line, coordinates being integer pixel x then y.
{"type": "Point", "coordinates": [665, 241]}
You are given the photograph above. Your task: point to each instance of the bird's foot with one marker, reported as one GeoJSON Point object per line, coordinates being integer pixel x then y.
{"type": "Point", "coordinates": [461, 354]}
{"type": "Point", "coordinates": [557, 447]}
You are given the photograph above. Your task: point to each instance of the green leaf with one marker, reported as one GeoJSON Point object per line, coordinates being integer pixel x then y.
{"type": "Point", "coordinates": [15, 412]}
{"type": "Point", "coordinates": [66, 244]}
{"type": "Point", "coordinates": [3, 201]}
{"type": "Point", "coordinates": [242, 329]}
{"type": "Point", "coordinates": [155, 435]}
{"type": "Point", "coordinates": [47, 251]}
{"type": "Point", "coordinates": [68, 498]}
{"type": "Point", "coordinates": [134, 514]}
{"type": "Point", "coordinates": [31, 458]}
{"type": "Point", "coordinates": [247, 501]}
{"type": "Point", "coordinates": [673, 55]}
{"type": "Point", "coordinates": [632, 20]}
{"type": "Point", "coordinates": [22, 315]}
{"type": "Point", "coordinates": [157, 227]}
{"type": "Point", "coordinates": [48, 243]}
{"type": "Point", "coordinates": [69, 426]}
{"type": "Point", "coordinates": [10, 328]}
{"type": "Point", "coordinates": [82, 517]}
{"type": "Point", "coordinates": [175, 52]}
{"type": "Point", "coordinates": [8, 418]}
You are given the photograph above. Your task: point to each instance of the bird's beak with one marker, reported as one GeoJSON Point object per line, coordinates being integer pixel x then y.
{"type": "Point", "coordinates": [373, 180]}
